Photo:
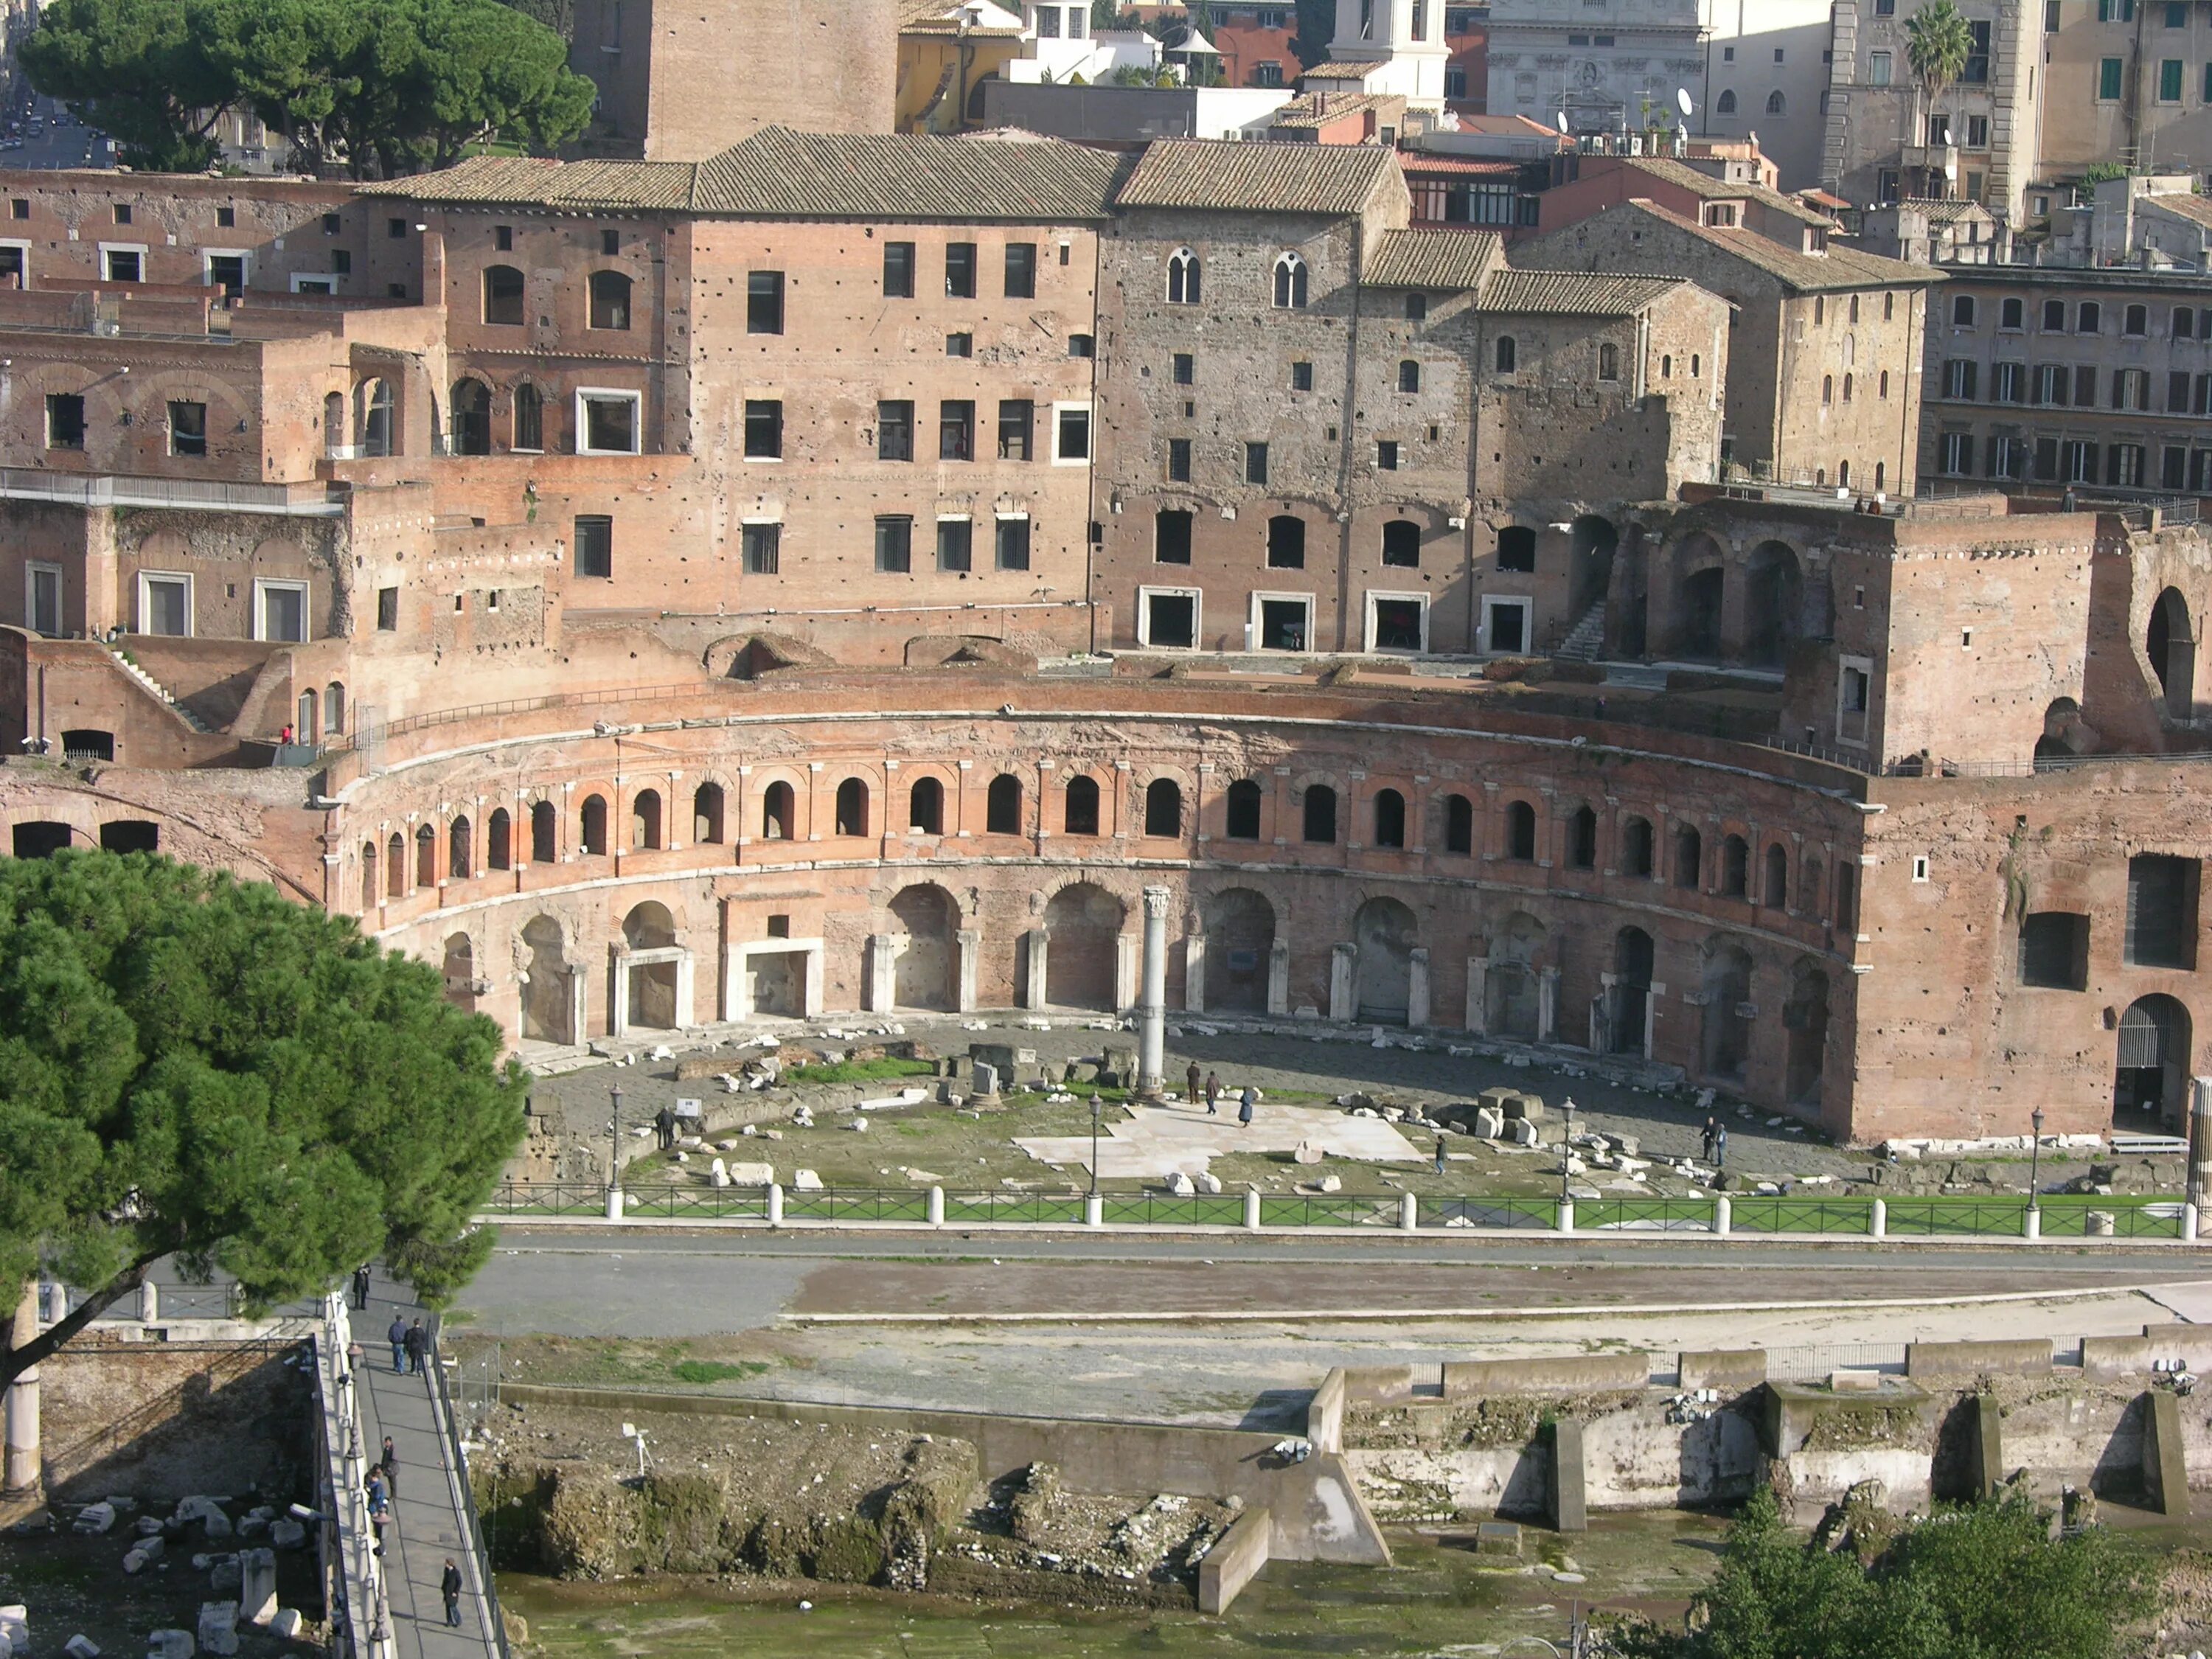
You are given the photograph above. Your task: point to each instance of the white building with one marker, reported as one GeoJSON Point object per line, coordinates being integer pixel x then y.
{"type": "Point", "coordinates": [1401, 41]}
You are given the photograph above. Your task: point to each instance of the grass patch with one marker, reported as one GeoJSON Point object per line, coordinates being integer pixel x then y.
{"type": "Point", "coordinates": [860, 1070]}
{"type": "Point", "coordinates": [715, 1370]}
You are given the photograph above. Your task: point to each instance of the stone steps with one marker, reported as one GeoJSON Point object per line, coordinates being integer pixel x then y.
{"type": "Point", "coordinates": [155, 689]}
{"type": "Point", "coordinates": [1586, 638]}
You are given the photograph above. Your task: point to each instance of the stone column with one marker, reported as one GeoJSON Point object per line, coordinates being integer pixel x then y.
{"type": "Point", "coordinates": [1278, 978]}
{"type": "Point", "coordinates": [686, 981]}
{"type": "Point", "coordinates": [971, 954]}
{"type": "Point", "coordinates": [1153, 1003]}
{"type": "Point", "coordinates": [617, 992]}
{"type": "Point", "coordinates": [1417, 987]}
{"type": "Point", "coordinates": [2200, 1139]}
{"type": "Point", "coordinates": [1343, 980]}
{"type": "Point", "coordinates": [1128, 968]}
{"type": "Point", "coordinates": [1601, 1015]}
{"type": "Point", "coordinates": [1194, 972]}
{"type": "Point", "coordinates": [1548, 1006]}
{"type": "Point", "coordinates": [811, 996]}
{"type": "Point", "coordinates": [881, 965]}
{"type": "Point", "coordinates": [1040, 943]}
{"type": "Point", "coordinates": [1478, 995]}
{"type": "Point", "coordinates": [26, 1463]}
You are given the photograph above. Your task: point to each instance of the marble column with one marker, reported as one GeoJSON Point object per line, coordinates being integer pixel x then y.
{"type": "Point", "coordinates": [1417, 988]}
{"type": "Point", "coordinates": [971, 956]}
{"type": "Point", "coordinates": [1278, 978]}
{"type": "Point", "coordinates": [882, 973]}
{"type": "Point", "coordinates": [1153, 1003]}
{"type": "Point", "coordinates": [25, 1463]}
{"type": "Point", "coordinates": [1039, 944]}
{"type": "Point", "coordinates": [1343, 981]}
{"type": "Point", "coordinates": [1548, 1006]}
{"type": "Point", "coordinates": [1478, 995]}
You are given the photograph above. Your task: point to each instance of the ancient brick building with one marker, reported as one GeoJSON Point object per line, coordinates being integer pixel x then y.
{"type": "Point", "coordinates": [668, 592]}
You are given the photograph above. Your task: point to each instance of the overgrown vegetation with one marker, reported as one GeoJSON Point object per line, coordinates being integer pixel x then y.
{"type": "Point", "coordinates": [860, 1070]}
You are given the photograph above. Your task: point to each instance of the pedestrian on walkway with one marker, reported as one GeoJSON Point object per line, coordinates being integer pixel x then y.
{"type": "Point", "coordinates": [397, 1337]}
{"type": "Point", "coordinates": [449, 1586]}
{"type": "Point", "coordinates": [1720, 1147]}
{"type": "Point", "coordinates": [390, 1468]}
{"type": "Point", "coordinates": [1712, 1130]}
{"type": "Point", "coordinates": [417, 1342]}
{"type": "Point", "coordinates": [360, 1288]}
{"type": "Point", "coordinates": [1194, 1080]}
{"type": "Point", "coordinates": [664, 1121]}
{"type": "Point", "coordinates": [1440, 1154]}
{"type": "Point", "coordinates": [1247, 1105]}
{"type": "Point", "coordinates": [379, 1493]}
{"type": "Point", "coordinates": [1212, 1094]}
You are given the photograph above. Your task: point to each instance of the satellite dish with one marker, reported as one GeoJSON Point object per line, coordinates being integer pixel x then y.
{"type": "Point", "coordinates": [1682, 100]}
{"type": "Point", "coordinates": [1561, 118]}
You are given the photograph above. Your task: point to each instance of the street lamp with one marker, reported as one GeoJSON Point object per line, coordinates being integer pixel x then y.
{"type": "Point", "coordinates": [1096, 1108]}
{"type": "Point", "coordinates": [1566, 1146]}
{"type": "Point", "coordinates": [2035, 1159]}
{"type": "Point", "coordinates": [614, 1140]}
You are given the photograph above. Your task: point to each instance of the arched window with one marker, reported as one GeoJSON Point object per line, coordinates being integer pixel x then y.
{"type": "Point", "coordinates": [777, 803]}
{"type": "Point", "coordinates": [1002, 806]}
{"type": "Point", "coordinates": [1847, 388]}
{"type": "Point", "coordinates": [1666, 365]}
{"type": "Point", "coordinates": [851, 807]}
{"type": "Point", "coordinates": [1291, 282]}
{"type": "Point", "coordinates": [1828, 390]}
{"type": "Point", "coordinates": [1855, 309]}
{"type": "Point", "coordinates": [372, 424]}
{"type": "Point", "coordinates": [1962, 310]}
{"type": "Point", "coordinates": [529, 417]}
{"type": "Point", "coordinates": [924, 807]}
{"type": "Point", "coordinates": [499, 840]}
{"type": "Point", "coordinates": [1882, 386]}
{"type": "Point", "coordinates": [334, 708]}
{"type": "Point", "coordinates": [610, 299]}
{"type": "Point", "coordinates": [1689, 858]}
{"type": "Point", "coordinates": [2090, 318]}
{"type": "Point", "coordinates": [1521, 831]}
{"type": "Point", "coordinates": [645, 820]}
{"type": "Point", "coordinates": [1401, 543]}
{"type": "Point", "coordinates": [1608, 362]}
{"type": "Point", "coordinates": [1459, 824]}
{"type": "Point", "coordinates": [1726, 105]}
{"type": "Point", "coordinates": [457, 846]}
{"type": "Point", "coordinates": [1163, 807]}
{"type": "Point", "coordinates": [1636, 848]}
{"type": "Point", "coordinates": [333, 422]}
{"type": "Point", "coordinates": [1242, 817]}
{"type": "Point", "coordinates": [1506, 354]}
{"type": "Point", "coordinates": [1081, 816]}
{"type": "Point", "coordinates": [1880, 468]}
{"type": "Point", "coordinates": [1321, 814]}
{"type": "Point", "coordinates": [706, 813]}
{"type": "Point", "coordinates": [591, 825]}
{"type": "Point", "coordinates": [1735, 867]}
{"type": "Point", "coordinates": [426, 856]}
{"type": "Point", "coordinates": [369, 875]}
{"type": "Point", "coordinates": [502, 295]}
{"type": "Point", "coordinates": [395, 866]}
{"type": "Point", "coordinates": [1389, 818]}
{"type": "Point", "coordinates": [1182, 277]}
{"type": "Point", "coordinates": [1409, 375]}
{"type": "Point", "coordinates": [1777, 877]}
{"type": "Point", "coordinates": [1286, 543]}
{"type": "Point", "coordinates": [1776, 104]}
{"type": "Point", "coordinates": [1582, 840]}
{"type": "Point", "coordinates": [471, 432]}
{"type": "Point", "coordinates": [544, 828]}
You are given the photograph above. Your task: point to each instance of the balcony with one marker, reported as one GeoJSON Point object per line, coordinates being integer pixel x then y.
{"type": "Point", "coordinates": [305, 500]}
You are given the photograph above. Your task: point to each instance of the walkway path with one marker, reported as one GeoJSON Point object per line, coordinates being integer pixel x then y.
{"type": "Point", "coordinates": [428, 1521]}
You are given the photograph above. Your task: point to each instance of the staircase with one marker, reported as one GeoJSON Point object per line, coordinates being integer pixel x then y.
{"type": "Point", "coordinates": [1586, 638]}
{"type": "Point", "coordinates": [157, 690]}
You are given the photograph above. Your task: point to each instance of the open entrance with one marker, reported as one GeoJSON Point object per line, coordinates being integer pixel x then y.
{"type": "Point", "coordinates": [460, 973]}
{"type": "Point", "coordinates": [1726, 1038]}
{"type": "Point", "coordinates": [1083, 932]}
{"type": "Point", "coordinates": [1240, 941]}
{"type": "Point", "coordinates": [2151, 1075]}
{"type": "Point", "coordinates": [131, 836]}
{"type": "Point", "coordinates": [1805, 1032]}
{"type": "Point", "coordinates": [652, 985]}
{"type": "Point", "coordinates": [1698, 631]}
{"type": "Point", "coordinates": [926, 974]}
{"type": "Point", "coordinates": [40, 839]}
{"type": "Point", "coordinates": [1383, 933]}
{"type": "Point", "coordinates": [1515, 997]}
{"type": "Point", "coordinates": [1286, 625]}
{"type": "Point", "coordinates": [1592, 539]}
{"type": "Point", "coordinates": [87, 743]}
{"type": "Point", "coordinates": [2171, 644]}
{"type": "Point", "coordinates": [549, 1002]}
{"type": "Point", "coordinates": [1774, 603]}
{"type": "Point", "coordinates": [1633, 957]}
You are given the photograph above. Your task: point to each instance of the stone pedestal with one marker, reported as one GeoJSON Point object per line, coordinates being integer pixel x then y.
{"type": "Point", "coordinates": [1343, 981]}
{"type": "Point", "coordinates": [1478, 995]}
{"type": "Point", "coordinates": [1278, 978]}
{"type": "Point", "coordinates": [1152, 997]}
{"type": "Point", "coordinates": [1040, 944]}
{"type": "Point", "coordinates": [1417, 987]}
{"type": "Point", "coordinates": [971, 954]}
{"type": "Point", "coordinates": [1548, 1006]}
{"type": "Point", "coordinates": [1194, 972]}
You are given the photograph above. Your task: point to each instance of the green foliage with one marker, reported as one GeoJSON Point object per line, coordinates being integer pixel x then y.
{"type": "Point", "coordinates": [715, 1370]}
{"type": "Point", "coordinates": [372, 86]}
{"type": "Point", "coordinates": [2097, 173]}
{"type": "Point", "coordinates": [1983, 1581]}
{"type": "Point", "coordinates": [1937, 41]}
{"type": "Point", "coordinates": [1316, 27]}
{"type": "Point", "coordinates": [193, 1065]}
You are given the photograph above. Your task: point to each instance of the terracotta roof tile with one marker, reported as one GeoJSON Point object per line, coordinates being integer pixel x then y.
{"type": "Point", "coordinates": [1573, 293]}
{"type": "Point", "coordinates": [1685, 177]}
{"type": "Point", "coordinates": [1451, 259]}
{"type": "Point", "coordinates": [1258, 177]}
{"type": "Point", "coordinates": [1840, 267]}
{"type": "Point", "coordinates": [2188, 205]}
{"type": "Point", "coordinates": [780, 173]}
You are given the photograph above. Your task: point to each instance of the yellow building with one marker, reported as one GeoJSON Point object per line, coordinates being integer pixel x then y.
{"type": "Point", "coordinates": [947, 49]}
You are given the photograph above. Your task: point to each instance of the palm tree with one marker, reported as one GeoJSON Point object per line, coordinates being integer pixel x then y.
{"type": "Point", "coordinates": [1937, 41]}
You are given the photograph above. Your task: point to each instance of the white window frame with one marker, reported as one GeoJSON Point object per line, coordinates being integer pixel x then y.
{"type": "Point", "coordinates": [1146, 593]}
{"type": "Point", "coordinates": [146, 609]}
{"type": "Point", "coordinates": [1374, 594]}
{"type": "Point", "coordinates": [636, 401]}
{"type": "Point", "coordinates": [1492, 603]}
{"type": "Point", "coordinates": [33, 569]}
{"type": "Point", "coordinates": [109, 250]}
{"type": "Point", "coordinates": [1090, 447]}
{"type": "Point", "coordinates": [210, 255]}
{"type": "Point", "coordinates": [1278, 596]}
{"type": "Point", "coordinates": [266, 585]}
{"type": "Point", "coordinates": [23, 245]}
{"type": "Point", "coordinates": [315, 282]}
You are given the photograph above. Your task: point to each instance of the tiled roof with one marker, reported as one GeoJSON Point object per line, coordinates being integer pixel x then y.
{"type": "Point", "coordinates": [1840, 267]}
{"type": "Point", "coordinates": [1573, 293]}
{"type": "Point", "coordinates": [1301, 114]}
{"type": "Point", "coordinates": [779, 173]}
{"type": "Point", "coordinates": [1943, 211]}
{"type": "Point", "coordinates": [2188, 205]}
{"type": "Point", "coordinates": [1685, 177]}
{"type": "Point", "coordinates": [1337, 72]}
{"type": "Point", "coordinates": [1433, 258]}
{"type": "Point", "coordinates": [943, 17]}
{"type": "Point", "coordinates": [1261, 178]}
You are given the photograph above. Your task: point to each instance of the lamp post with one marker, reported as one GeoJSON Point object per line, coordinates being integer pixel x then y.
{"type": "Point", "coordinates": [1566, 1146]}
{"type": "Point", "coordinates": [1095, 1110]}
{"type": "Point", "coordinates": [2035, 1159]}
{"type": "Point", "coordinates": [614, 1139]}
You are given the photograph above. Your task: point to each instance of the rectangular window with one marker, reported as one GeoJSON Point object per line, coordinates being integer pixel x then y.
{"type": "Point", "coordinates": [1976, 71]}
{"type": "Point", "coordinates": [764, 302]}
{"type": "Point", "coordinates": [898, 271]}
{"type": "Point", "coordinates": [1021, 270]}
{"type": "Point", "coordinates": [2007, 457]}
{"type": "Point", "coordinates": [1171, 537]}
{"type": "Point", "coordinates": [956, 430]}
{"type": "Point", "coordinates": [2085, 387]}
{"type": "Point", "coordinates": [595, 552]}
{"type": "Point", "coordinates": [502, 238]}
{"type": "Point", "coordinates": [763, 430]}
{"type": "Point", "coordinates": [19, 207]}
{"type": "Point", "coordinates": [1013, 545]}
{"type": "Point", "coordinates": [2054, 950]}
{"type": "Point", "coordinates": [2176, 14]}
{"type": "Point", "coordinates": [2177, 392]}
{"type": "Point", "coordinates": [187, 429]}
{"type": "Point", "coordinates": [1955, 453]}
{"type": "Point", "coordinates": [610, 243]}
{"type": "Point", "coordinates": [960, 270]}
{"type": "Point", "coordinates": [895, 544]}
{"type": "Point", "coordinates": [1386, 454]}
{"type": "Point", "coordinates": [2123, 466]}
{"type": "Point", "coordinates": [2169, 81]}
{"type": "Point", "coordinates": [1302, 377]}
{"type": "Point", "coordinates": [2108, 80]}
{"type": "Point", "coordinates": [226, 271]}
{"type": "Point", "coordinates": [960, 345]}
{"type": "Point", "coordinates": [2161, 919]}
{"type": "Point", "coordinates": [1977, 132]}
{"type": "Point", "coordinates": [762, 549]}
{"type": "Point", "coordinates": [1185, 369]}
{"type": "Point", "coordinates": [1878, 68]}
{"type": "Point", "coordinates": [280, 612]}
{"type": "Point", "coordinates": [2050, 380]}
{"type": "Point", "coordinates": [64, 421]}
{"type": "Point", "coordinates": [895, 429]}
{"type": "Point", "coordinates": [164, 605]}
{"type": "Point", "coordinates": [387, 599]}
{"type": "Point", "coordinates": [42, 598]}
{"type": "Point", "coordinates": [2046, 460]}
{"type": "Point", "coordinates": [1958, 377]}
{"type": "Point", "coordinates": [1256, 462]}
{"type": "Point", "coordinates": [1081, 345]}
{"type": "Point", "coordinates": [956, 544]}
{"type": "Point", "coordinates": [2077, 459]}
{"type": "Point", "coordinates": [1047, 22]}
{"type": "Point", "coordinates": [1016, 420]}
{"type": "Point", "coordinates": [1179, 460]}
{"type": "Point", "coordinates": [123, 264]}
{"type": "Point", "coordinates": [2173, 468]}
{"type": "Point", "coordinates": [607, 422]}
{"type": "Point", "coordinates": [1167, 619]}
{"type": "Point", "coordinates": [1071, 437]}
{"type": "Point", "coordinates": [2007, 383]}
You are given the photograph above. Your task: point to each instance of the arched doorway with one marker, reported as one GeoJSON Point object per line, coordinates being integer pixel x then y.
{"type": "Point", "coordinates": [2151, 1073]}
{"type": "Point", "coordinates": [373, 418]}
{"type": "Point", "coordinates": [1633, 959]}
{"type": "Point", "coordinates": [1240, 943]}
{"type": "Point", "coordinates": [549, 1007]}
{"type": "Point", "coordinates": [1083, 932]}
{"type": "Point", "coordinates": [1774, 603]}
{"type": "Point", "coordinates": [1726, 1039]}
{"type": "Point", "coordinates": [1592, 540]}
{"type": "Point", "coordinates": [472, 409]}
{"type": "Point", "coordinates": [1805, 1034]}
{"type": "Point", "coordinates": [1383, 933]}
{"type": "Point", "coordinates": [648, 926]}
{"type": "Point", "coordinates": [2171, 644]}
{"type": "Point", "coordinates": [926, 974]}
{"type": "Point", "coordinates": [460, 973]}
{"type": "Point", "coordinates": [1511, 985]}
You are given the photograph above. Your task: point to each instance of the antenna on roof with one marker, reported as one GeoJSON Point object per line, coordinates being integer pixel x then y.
{"type": "Point", "coordinates": [1682, 100]}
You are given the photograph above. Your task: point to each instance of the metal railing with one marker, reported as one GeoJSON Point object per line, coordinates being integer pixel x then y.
{"type": "Point", "coordinates": [1064, 1208]}
{"type": "Point", "coordinates": [1955, 1218]}
{"type": "Point", "coordinates": [1655, 1215]}
{"type": "Point", "coordinates": [513, 1197]}
{"type": "Point", "coordinates": [1802, 1215]}
{"type": "Point", "coordinates": [113, 489]}
{"type": "Point", "coordinates": [680, 1203]}
{"type": "Point", "coordinates": [443, 1403]}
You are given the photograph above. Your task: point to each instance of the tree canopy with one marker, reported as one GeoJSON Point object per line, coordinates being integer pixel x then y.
{"type": "Point", "coordinates": [1938, 42]}
{"type": "Point", "coordinates": [191, 1066]}
{"type": "Point", "coordinates": [374, 86]}
{"type": "Point", "coordinates": [1982, 1580]}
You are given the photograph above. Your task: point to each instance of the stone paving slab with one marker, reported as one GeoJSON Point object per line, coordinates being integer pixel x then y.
{"type": "Point", "coordinates": [1157, 1142]}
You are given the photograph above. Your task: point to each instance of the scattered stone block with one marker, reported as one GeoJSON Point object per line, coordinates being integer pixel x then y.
{"type": "Point", "coordinates": [1307, 1152]}
{"type": "Point", "coordinates": [751, 1174]}
{"type": "Point", "coordinates": [805, 1181]}
{"type": "Point", "coordinates": [719, 1173]}
{"type": "Point", "coordinates": [1520, 1132]}
{"type": "Point", "coordinates": [1526, 1106]}
{"type": "Point", "coordinates": [1208, 1181]}
{"type": "Point", "coordinates": [218, 1631]}
{"type": "Point", "coordinates": [2100, 1223]}
{"type": "Point", "coordinates": [225, 1576]}
{"type": "Point", "coordinates": [256, 1597]}
{"type": "Point", "coordinates": [1489, 1122]}
{"type": "Point", "coordinates": [1854, 1382]}
{"type": "Point", "coordinates": [286, 1624]}
{"type": "Point", "coordinates": [143, 1555]}
{"type": "Point", "coordinates": [1329, 1183]}
{"type": "Point", "coordinates": [1180, 1185]}
{"type": "Point", "coordinates": [147, 1526]}
{"type": "Point", "coordinates": [81, 1647]}
{"type": "Point", "coordinates": [1497, 1538]}
{"type": "Point", "coordinates": [15, 1626]}
{"type": "Point", "coordinates": [287, 1534]}
{"type": "Point", "coordinates": [94, 1518]}
{"type": "Point", "coordinates": [170, 1644]}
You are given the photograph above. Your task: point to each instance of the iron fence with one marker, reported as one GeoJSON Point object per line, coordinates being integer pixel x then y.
{"type": "Point", "coordinates": [1800, 1215]}
{"type": "Point", "coordinates": [856, 1204]}
{"type": "Point", "coordinates": [1030, 1207]}
{"type": "Point", "coordinates": [697, 1203]}
{"type": "Point", "coordinates": [1168, 1210]}
{"type": "Point", "coordinates": [1327, 1210]}
{"type": "Point", "coordinates": [1539, 1214]}
{"type": "Point", "coordinates": [2004, 1217]}
{"type": "Point", "coordinates": [2143, 1218]}
{"type": "Point", "coordinates": [1652, 1215]}
{"type": "Point", "coordinates": [495, 1636]}
{"type": "Point", "coordinates": [546, 1198]}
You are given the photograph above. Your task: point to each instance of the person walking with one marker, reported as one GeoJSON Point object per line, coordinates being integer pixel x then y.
{"type": "Point", "coordinates": [417, 1343]}
{"type": "Point", "coordinates": [1440, 1154]}
{"type": "Point", "coordinates": [1712, 1128]}
{"type": "Point", "coordinates": [1212, 1094]}
{"type": "Point", "coordinates": [397, 1337]}
{"type": "Point", "coordinates": [1193, 1078]}
{"type": "Point", "coordinates": [664, 1121]}
{"type": "Point", "coordinates": [360, 1288]}
{"type": "Point", "coordinates": [1720, 1147]}
{"type": "Point", "coordinates": [1247, 1105]}
{"type": "Point", "coordinates": [449, 1586]}
{"type": "Point", "coordinates": [390, 1468]}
